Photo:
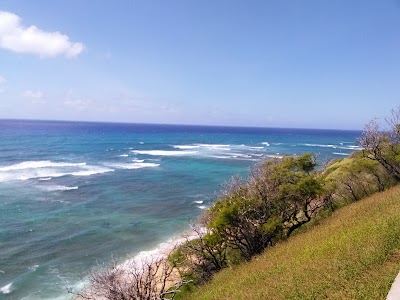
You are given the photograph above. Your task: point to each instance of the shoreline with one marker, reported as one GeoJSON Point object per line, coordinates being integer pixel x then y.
{"type": "Point", "coordinates": [163, 250]}
{"type": "Point", "coordinates": [141, 260]}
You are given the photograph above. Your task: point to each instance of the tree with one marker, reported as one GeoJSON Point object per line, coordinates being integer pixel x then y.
{"type": "Point", "coordinates": [279, 196]}
{"type": "Point", "coordinates": [384, 145]}
{"type": "Point", "coordinates": [148, 279]}
{"type": "Point", "coordinates": [355, 177]}
{"type": "Point", "coordinates": [203, 254]}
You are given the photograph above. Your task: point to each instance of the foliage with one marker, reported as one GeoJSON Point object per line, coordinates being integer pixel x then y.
{"type": "Point", "coordinates": [201, 257]}
{"type": "Point", "coordinates": [353, 254]}
{"type": "Point", "coordinates": [279, 196]}
{"type": "Point", "coordinates": [356, 177]}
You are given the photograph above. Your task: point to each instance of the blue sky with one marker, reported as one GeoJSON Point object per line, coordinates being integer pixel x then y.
{"type": "Point", "coordinates": [305, 64]}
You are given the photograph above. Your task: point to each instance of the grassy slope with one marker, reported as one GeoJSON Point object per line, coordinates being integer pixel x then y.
{"type": "Point", "coordinates": [354, 254]}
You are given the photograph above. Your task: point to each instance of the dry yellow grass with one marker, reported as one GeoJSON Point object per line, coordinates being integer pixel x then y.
{"type": "Point", "coordinates": [353, 254]}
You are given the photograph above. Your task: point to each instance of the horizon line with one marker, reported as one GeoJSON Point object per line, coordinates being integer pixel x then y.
{"type": "Point", "coordinates": [176, 124]}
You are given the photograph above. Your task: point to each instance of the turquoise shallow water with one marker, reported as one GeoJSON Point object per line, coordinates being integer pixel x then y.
{"type": "Point", "coordinates": [75, 194]}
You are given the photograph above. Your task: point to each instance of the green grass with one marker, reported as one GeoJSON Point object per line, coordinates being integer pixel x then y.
{"type": "Point", "coordinates": [353, 254]}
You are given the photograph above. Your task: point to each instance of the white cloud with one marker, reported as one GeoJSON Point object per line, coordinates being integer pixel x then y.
{"type": "Point", "coordinates": [2, 84]}
{"type": "Point", "coordinates": [36, 96]}
{"type": "Point", "coordinates": [79, 104]}
{"type": "Point", "coordinates": [84, 105]}
{"type": "Point", "coordinates": [20, 39]}
{"type": "Point", "coordinates": [33, 94]}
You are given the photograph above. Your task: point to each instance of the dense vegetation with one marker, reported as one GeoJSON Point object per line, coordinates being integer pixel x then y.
{"type": "Point", "coordinates": [282, 195]}
{"type": "Point", "coordinates": [353, 254]}
{"type": "Point", "coordinates": [279, 197]}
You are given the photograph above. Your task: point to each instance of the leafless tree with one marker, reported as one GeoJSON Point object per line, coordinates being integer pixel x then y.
{"type": "Point", "coordinates": [383, 145]}
{"type": "Point", "coordinates": [147, 279]}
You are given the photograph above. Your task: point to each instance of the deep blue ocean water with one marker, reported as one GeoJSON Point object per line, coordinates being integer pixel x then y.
{"type": "Point", "coordinates": [73, 194]}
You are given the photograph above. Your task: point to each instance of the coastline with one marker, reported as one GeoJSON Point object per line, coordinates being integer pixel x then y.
{"type": "Point", "coordinates": [140, 262]}
{"type": "Point", "coordinates": [124, 211]}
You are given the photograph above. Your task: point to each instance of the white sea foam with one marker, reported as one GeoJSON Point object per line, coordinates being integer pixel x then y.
{"type": "Point", "coordinates": [319, 145]}
{"type": "Point", "coordinates": [222, 156]}
{"type": "Point", "coordinates": [45, 178]}
{"type": "Point", "coordinates": [161, 251]}
{"type": "Point", "coordinates": [136, 165]}
{"type": "Point", "coordinates": [38, 164]}
{"type": "Point", "coordinates": [219, 151]}
{"type": "Point", "coordinates": [164, 152]}
{"type": "Point", "coordinates": [124, 155]}
{"type": "Point", "coordinates": [234, 155]}
{"type": "Point", "coordinates": [202, 206]}
{"type": "Point", "coordinates": [52, 188]}
{"type": "Point", "coordinates": [33, 268]}
{"type": "Point", "coordinates": [213, 145]}
{"type": "Point", "coordinates": [350, 147]}
{"type": "Point", "coordinates": [138, 160]}
{"type": "Point", "coordinates": [6, 289]}
{"type": "Point", "coordinates": [186, 146]}
{"type": "Point", "coordinates": [340, 153]}
{"type": "Point", "coordinates": [90, 171]}
{"type": "Point", "coordinates": [354, 147]}
{"type": "Point", "coordinates": [45, 170]}
{"type": "Point", "coordinates": [274, 156]}
{"type": "Point", "coordinates": [198, 202]}
{"type": "Point", "coordinates": [265, 143]}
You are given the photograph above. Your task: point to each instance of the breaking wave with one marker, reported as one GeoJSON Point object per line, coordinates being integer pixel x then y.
{"type": "Point", "coordinates": [6, 289]}
{"type": "Point", "coordinates": [38, 164]}
{"type": "Point", "coordinates": [340, 153]}
{"type": "Point", "coordinates": [164, 152]}
{"type": "Point", "coordinates": [52, 188]}
{"type": "Point", "coordinates": [135, 165]}
{"type": "Point", "coordinates": [45, 170]}
{"type": "Point", "coordinates": [350, 147]}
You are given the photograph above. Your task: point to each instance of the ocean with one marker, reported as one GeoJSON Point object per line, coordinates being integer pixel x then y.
{"type": "Point", "coordinates": [75, 195]}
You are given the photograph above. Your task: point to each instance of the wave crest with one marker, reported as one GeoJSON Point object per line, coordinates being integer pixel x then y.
{"type": "Point", "coordinates": [164, 152]}
{"type": "Point", "coordinates": [38, 164]}
{"type": "Point", "coordinates": [45, 170]}
{"type": "Point", "coordinates": [6, 289]}
{"type": "Point", "coordinates": [52, 188]}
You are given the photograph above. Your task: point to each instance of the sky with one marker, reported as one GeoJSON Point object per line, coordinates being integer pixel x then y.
{"type": "Point", "coordinates": [295, 63]}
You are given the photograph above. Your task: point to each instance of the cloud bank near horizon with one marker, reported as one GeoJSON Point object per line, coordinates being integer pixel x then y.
{"type": "Point", "coordinates": [20, 39]}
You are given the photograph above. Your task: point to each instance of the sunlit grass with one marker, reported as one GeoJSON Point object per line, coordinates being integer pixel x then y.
{"type": "Point", "coordinates": [353, 254]}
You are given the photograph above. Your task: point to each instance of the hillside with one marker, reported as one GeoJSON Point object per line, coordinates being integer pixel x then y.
{"type": "Point", "coordinates": [353, 254]}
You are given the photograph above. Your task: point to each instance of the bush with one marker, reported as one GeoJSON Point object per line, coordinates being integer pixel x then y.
{"type": "Point", "coordinates": [356, 177]}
